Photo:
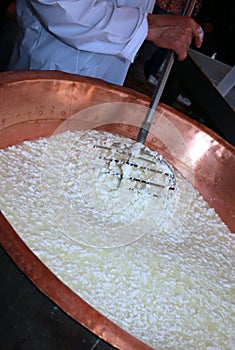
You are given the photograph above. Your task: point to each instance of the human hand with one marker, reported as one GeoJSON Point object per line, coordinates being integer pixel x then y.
{"type": "Point", "coordinates": [174, 32]}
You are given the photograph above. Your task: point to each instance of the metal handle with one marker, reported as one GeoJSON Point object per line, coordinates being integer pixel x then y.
{"type": "Point", "coordinates": [143, 132]}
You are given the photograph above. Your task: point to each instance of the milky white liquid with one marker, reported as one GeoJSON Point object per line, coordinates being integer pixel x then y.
{"type": "Point", "coordinates": [161, 268]}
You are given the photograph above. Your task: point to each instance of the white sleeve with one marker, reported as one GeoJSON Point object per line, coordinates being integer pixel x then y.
{"type": "Point", "coordinates": [99, 26]}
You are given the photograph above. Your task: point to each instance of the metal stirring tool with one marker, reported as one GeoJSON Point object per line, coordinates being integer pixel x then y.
{"type": "Point", "coordinates": [144, 168]}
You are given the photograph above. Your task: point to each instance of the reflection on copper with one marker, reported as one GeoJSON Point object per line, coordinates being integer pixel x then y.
{"type": "Point", "coordinates": [36, 103]}
{"type": "Point", "coordinates": [203, 144]}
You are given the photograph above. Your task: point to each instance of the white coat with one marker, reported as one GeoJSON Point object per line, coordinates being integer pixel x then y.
{"type": "Point", "coordinates": [97, 38]}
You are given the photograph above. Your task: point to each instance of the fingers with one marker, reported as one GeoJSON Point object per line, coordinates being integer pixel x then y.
{"type": "Point", "coordinates": [199, 35]}
{"type": "Point", "coordinates": [184, 38]}
{"type": "Point", "coordinates": [177, 34]}
{"type": "Point", "coordinates": [191, 31]}
{"type": "Point", "coordinates": [192, 26]}
{"type": "Point", "coordinates": [175, 38]}
{"type": "Point", "coordinates": [180, 45]}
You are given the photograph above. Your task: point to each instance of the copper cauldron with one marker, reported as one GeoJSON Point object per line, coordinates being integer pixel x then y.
{"type": "Point", "coordinates": [35, 104]}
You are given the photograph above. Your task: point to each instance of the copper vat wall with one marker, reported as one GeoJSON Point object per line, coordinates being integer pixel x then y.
{"type": "Point", "coordinates": [34, 104]}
